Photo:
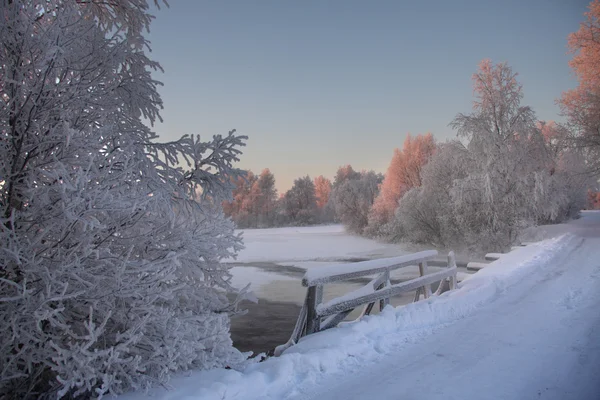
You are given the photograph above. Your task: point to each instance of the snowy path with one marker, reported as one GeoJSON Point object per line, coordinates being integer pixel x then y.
{"type": "Point", "coordinates": [539, 340]}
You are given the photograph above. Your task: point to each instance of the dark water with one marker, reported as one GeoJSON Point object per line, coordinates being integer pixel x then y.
{"type": "Point", "coordinates": [266, 325]}
{"type": "Point", "coordinates": [270, 323]}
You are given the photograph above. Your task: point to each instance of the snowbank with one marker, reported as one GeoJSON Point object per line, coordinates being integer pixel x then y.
{"type": "Point", "coordinates": [339, 350]}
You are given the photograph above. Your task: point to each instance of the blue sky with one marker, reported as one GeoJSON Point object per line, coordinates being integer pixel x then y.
{"type": "Point", "coordinates": [319, 84]}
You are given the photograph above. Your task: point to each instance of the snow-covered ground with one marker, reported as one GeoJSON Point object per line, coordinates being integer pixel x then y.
{"type": "Point", "coordinates": [526, 327]}
{"type": "Point", "coordinates": [326, 243]}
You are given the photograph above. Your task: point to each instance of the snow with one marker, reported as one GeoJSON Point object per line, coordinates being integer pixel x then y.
{"type": "Point", "coordinates": [493, 256]}
{"type": "Point", "coordinates": [326, 243]}
{"type": "Point", "coordinates": [310, 264]}
{"type": "Point", "coordinates": [256, 277]}
{"type": "Point", "coordinates": [316, 276]}
{"type": "Point", "coordinates": [525, 327]}
{"type": "Point", "coordinates": [587, 225]}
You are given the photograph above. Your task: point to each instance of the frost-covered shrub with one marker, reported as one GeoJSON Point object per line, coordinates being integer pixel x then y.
{"type": "Point", "coordinates": [353, 198]}
{"type": "Point", "coordinates": [425, 214]}
{"type": "Point", "coordinates": [510, 175]}
{"type": "Point", "coordinates": [109, 247]}
{"type": "Point", "coordinates": [299, 204]}
{"type": "Point", "coordinates": [403, 173]}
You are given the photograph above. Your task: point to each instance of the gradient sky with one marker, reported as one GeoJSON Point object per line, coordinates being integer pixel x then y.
{"type": "Point", "coordinates": [319, 84]}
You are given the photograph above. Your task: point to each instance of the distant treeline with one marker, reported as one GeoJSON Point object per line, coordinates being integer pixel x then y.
{"type": "Point", "coordinates": [506, 171]}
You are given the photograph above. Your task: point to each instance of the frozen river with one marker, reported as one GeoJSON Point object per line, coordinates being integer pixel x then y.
{"type": "Point", "coordinates": [274, 262]}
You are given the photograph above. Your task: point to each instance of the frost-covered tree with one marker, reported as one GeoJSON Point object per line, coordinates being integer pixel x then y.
{"type": "Point", "coordinates": [426, 213]}
{"type": "Point", "coordinates": [593, 201]}
{"type": "Point", "coordinates": [299, 204]}
{"type": "Point", "coordinates": [343, 174]}
{"type": "Point", "coordinates": [239, 208]}
{"type": "Point", "coordinates": [581, 105]}
{"type": "Point", "coordinates": [110, 241]}
{"type": "Point", "coordinates": [322, 190]}
{"type": "Point", "coordinates": [322, 194]}
{"type": "Point", "coordinates": [512, 173]}
{"type": "Point", "coordinates": [254, 200]}
{"type": "Point", "coordinates": [262, 200]}
{"type": "Point", "coordinates": [507, 185]}
{"type": "Point", "coordinates": [403, 173]}
{"type": "Point", "coordinates": [352, 200]}
{"type": "Point", "coordinates": [568, 170]}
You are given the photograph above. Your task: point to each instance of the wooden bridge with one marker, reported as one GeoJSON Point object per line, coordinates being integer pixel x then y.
{"type": "Point", "coordinates": [317, 316]}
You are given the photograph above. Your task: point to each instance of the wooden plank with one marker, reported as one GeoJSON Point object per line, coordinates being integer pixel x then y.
{"type": "Point", "coordinates": [423, 271]}
{"type": "Point", "coordinates": [381, 279]}
{"type": "Point", "coordinates": [440, 288]}
{"type": "Point", "coordinates": [493, 256]}
{"type": "Point", "coordinates": [367, 310]}
{"type": "Point", "coordinates": [386, 282]}
{"type": "Point", "coordinates": [334, 320]}
{"type": "Point", "coordinates": [377, 284]}
{"type": "Point", "coordinates": [476, 266]}
{"type": "Point", "coordinates": [417, 295]}
{"type": "Point", "coordinates": [452, 264]}
{"type": "Point", "coordinates": [298, 331]}
{"type": "Point", "coordinates": [319, 294]}
{"type": "Point", "coordinates": [334, 307]}
{"type": "Point", "coordinates": [341, 272]}
{"type": "Point", "coordinates": [314, 296]}
{"type": "Point", "coordinates": [300, 326]}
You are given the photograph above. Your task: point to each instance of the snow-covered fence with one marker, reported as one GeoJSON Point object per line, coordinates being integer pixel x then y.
{"type": "Point", "coordinates": [317, 316]}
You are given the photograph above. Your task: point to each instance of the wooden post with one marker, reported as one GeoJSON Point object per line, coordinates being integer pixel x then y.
{"type": "Point", "coordinates": [440, 287]}
{"type": "Point", "coordinates": [423, 272]}
{"type": "Point", "coordinates": [334, 320]}
{"type": "Point", "coordinates": [314, 298]}
{"type": "Point", "coordinates": [367, 309]}
{"type": "Point", "coordinates": [386, 282]}
{"type": "Point", "coordinates": [299, 331]}
{"type": "Point", "coordinates": [417, 295]}
{"type": "Point", "coordinates": [452, 263]}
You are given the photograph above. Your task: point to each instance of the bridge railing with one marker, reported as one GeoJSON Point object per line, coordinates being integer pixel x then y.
{"type": "Point", "coordinates": [317, 315]}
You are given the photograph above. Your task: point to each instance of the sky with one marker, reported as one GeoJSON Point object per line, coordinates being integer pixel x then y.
{"type": "Point", "coordinates": [320, 84]}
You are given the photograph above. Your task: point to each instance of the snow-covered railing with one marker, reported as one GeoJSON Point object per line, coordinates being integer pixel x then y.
{"type": "Point", "coordinates": [317, 316]}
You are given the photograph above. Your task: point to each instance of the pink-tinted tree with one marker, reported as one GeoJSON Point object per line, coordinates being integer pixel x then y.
{"type": "Point", "coordinates": [322, 191]}
{"type": "Point", "coordinates": [593, 200]}
{"type": "Point", "coordinates": [239, 208]}
{"type": "Point", "coordinates": [510, 172]}
{"type": "Point", "coordinates": [323, 188]}
{"type": "Point", "coordinates": [581, 105]}
{"type": "Point", "coordinates": [403, 173]}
